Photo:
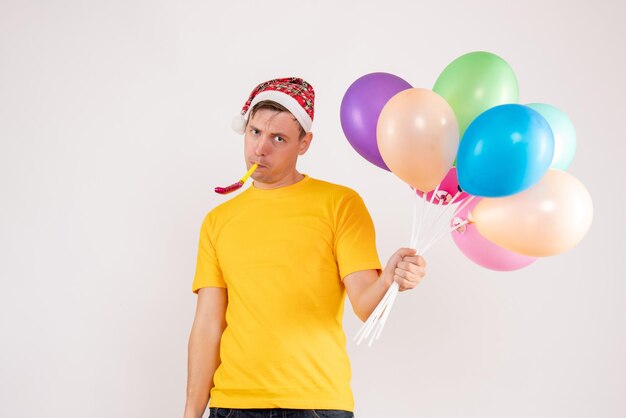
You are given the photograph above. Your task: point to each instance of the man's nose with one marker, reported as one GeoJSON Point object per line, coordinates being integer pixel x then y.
{"type": "Point", "coordinates": [263, 145]}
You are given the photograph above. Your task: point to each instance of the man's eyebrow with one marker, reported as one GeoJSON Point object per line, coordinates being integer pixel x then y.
{"type": "Point", "coordinates": [279, 134]}
{"type": "Point", "coordinates": [272, 133]}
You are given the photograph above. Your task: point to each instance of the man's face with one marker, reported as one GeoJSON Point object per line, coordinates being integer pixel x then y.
{"type": "Point", "coordinates": [272, 140]}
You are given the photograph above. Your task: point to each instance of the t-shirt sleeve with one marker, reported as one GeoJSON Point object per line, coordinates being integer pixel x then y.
{"type": "Point", "coordinates": [355, 237]}
{"type": "Point", "coordinates": [208, 271]}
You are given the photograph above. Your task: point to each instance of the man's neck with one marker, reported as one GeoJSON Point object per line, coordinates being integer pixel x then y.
{"type": "Point", "coordinates": [284, 182]}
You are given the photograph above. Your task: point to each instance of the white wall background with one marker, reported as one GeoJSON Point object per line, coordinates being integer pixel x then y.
{"type": "Point", "coordinates": [114, 128]}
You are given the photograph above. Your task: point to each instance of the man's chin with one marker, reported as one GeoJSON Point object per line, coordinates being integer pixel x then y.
{"type": "Point", "coordinates": [260, 177]}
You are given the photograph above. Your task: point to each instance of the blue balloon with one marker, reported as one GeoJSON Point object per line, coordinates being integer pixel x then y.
{"type": "Point", "coordinates": [504, 151]}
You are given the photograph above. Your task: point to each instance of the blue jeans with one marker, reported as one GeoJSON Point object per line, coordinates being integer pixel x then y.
{"type": "Point", "coordinates": [279, 413]}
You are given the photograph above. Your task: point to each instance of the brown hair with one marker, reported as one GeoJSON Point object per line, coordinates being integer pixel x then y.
{"type": "Point", "coordinates": [271, 105]}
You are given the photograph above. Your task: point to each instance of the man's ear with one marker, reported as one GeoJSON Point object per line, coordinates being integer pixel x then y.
{"type": "Point", "coordinates": [305, 142]}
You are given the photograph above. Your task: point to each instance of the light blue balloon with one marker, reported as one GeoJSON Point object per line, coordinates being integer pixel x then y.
{"type": "Point", "coordinates": [563, 131]}
{"type": "Point", "coordinates": [504, 151]}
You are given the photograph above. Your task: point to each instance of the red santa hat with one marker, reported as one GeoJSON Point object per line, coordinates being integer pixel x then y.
{"type": "Point", "coordinates": [295, 94]}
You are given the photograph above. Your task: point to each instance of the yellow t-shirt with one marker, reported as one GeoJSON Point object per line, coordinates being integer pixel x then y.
{"type": "Point", "coordinates": [282, 255]}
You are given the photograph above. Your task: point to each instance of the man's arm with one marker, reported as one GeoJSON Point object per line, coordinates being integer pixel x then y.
{"type": "Point", "coordinates": [366, 288]}
{"type": "Point", "coordinates": [204, 348]}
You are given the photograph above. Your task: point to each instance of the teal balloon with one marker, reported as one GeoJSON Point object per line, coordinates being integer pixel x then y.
{"type": "Point", "coordinates": [475, 82]}
{"type": "Point", "coordinates": [563, 131]}
{"type": "Point", "coordinates": [505, 150]}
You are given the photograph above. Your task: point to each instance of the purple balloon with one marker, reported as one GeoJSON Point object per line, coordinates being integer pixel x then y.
{"type": "Point", "coordinates": [361, 107]}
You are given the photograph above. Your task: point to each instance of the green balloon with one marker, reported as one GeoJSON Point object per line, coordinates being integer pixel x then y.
{"type": "Point", "coordinates": [475, 82]}
{"type": "Point", "coordinates": [563, 131]}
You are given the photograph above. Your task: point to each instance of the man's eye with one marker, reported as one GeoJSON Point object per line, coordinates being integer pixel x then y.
{"type": "Point", "coordinates": [279, 139]}
{"type": "Point", "coordinates": [254, 131]}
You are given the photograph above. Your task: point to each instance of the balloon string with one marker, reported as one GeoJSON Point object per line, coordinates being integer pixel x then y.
{"type": "Point", "coordinates": [437, 238]}
{"type": "Point", "coordinates": [390, 297]}
{"type": "Point", "coordinates": [375, 326]}
{"type": "Point", "coordinates": [427, 211]}
{"type": "Point", "coordinates": [456, 212]}
{"type": "Point", "coordinates": [415, 199]}
{"type": "Point", "coordinates": [444, 212]}
{"type": "Point", "coordinates": [376, 321]}
{"type": "Point", "coordinates": [372, 321]}
{"type": "Point", "coordinates": [419, 228]}
{"type": "Point", "coordinates": [463, 205]}
{"type": "Point", "coordinates": [383, 320]}
{"type": "Point", "coordinates": [379, 322]}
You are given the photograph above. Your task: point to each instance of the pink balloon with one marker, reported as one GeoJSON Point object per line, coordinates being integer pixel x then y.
{"type": "Point", "coordinates": [482, 251]}
{"type": "Point", "coordinates": [447, 189]}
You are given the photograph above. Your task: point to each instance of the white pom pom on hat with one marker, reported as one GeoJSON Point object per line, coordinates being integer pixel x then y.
{"type": "Point", "coordinates": [295, 94]}
{"type": "Point", "coordinates": [238, 124]}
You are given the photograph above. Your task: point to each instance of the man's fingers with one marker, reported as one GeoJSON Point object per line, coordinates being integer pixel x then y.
{"type": "Point", "coordinates": [404, 284]}
{"type": "Point", "coordinates": [417, 259]}
{"type": "Point", "coordinates": [405, 252]}
{"type": "Point", "coordinates": [409, 275]}
{"type": "Point", "coordinates": [410, 267]}
{"type": "Point", "coordinates": [406, 267]}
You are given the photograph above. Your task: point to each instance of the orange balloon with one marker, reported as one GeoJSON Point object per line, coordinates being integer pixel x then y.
{"type": "Point", "coordinates": [549, 218]}
{"type": "Point", "coordinates": [418, 137]}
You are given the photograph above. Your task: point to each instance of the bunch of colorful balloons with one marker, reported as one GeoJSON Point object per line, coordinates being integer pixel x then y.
{"type": "Point", "coordinates": [470, 134]}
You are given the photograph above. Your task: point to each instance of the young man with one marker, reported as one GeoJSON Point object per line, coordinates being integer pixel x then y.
{"type": "Point", "coordinates": [274, 265]}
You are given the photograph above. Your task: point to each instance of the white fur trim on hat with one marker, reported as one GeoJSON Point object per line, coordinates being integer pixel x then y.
{"type": "Point", "coordinates": [284, 99]}
{"type": "Point", "coordinates": [290, 104]}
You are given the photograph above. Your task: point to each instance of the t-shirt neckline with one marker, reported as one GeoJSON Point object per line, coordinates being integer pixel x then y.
{"type": "Point", "coordinates": [281, 190]}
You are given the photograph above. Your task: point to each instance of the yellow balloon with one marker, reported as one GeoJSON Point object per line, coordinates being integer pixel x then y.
{"type": "Point", "coordinates": [549, 218]}
{"type": "Point", "coordinates": [418, 137]}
